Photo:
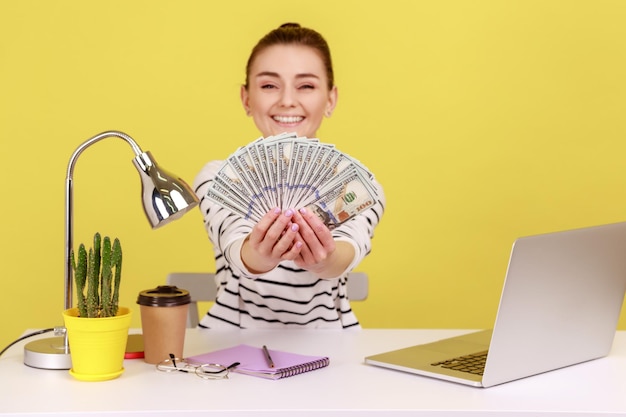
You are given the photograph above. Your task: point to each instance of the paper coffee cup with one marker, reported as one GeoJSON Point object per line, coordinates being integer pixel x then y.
{"type": "Point", "coordinates": [163, 321]}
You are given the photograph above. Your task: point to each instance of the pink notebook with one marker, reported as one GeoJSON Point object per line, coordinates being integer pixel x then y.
{"type": "Point", "coordinates": [252, 361]}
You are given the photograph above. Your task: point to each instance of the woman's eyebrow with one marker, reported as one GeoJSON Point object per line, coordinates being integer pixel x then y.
{"type": "Point", "coordinates": [276, 75]}
{"type": "Point", "coordinates": [307, 75]}
{"type": "Point", "coordinates": [267, 74]}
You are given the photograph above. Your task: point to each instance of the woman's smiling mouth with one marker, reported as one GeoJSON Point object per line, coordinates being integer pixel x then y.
{"type": "Point", "coordinates": [288, 119]}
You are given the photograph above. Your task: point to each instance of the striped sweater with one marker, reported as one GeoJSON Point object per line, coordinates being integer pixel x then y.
{"type": "Point", "coordinates": [287, 296]}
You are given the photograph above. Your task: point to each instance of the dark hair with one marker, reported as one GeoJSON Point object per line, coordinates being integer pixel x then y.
{"type": "Point", "coordinates": [294, 34]}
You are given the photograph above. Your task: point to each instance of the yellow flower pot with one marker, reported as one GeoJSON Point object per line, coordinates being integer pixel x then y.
{"type": "Point", "coordinates": [97, 345]}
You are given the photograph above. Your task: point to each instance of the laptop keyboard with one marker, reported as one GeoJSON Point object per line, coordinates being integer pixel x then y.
{"type": "Point", "coordinates": [473, 364]}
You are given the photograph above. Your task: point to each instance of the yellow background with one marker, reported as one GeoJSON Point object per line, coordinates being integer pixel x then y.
{"type": "Point", "coordinates": [485, 120]}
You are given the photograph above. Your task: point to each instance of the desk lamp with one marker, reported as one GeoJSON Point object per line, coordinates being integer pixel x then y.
{"type": "Point", "coordinates": [165, 197]}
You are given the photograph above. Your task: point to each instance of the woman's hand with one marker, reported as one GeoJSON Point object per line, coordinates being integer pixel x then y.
{"type": "Point", "coordinates": [320, 253]}
{"type": "Point", "coordinates": [273, 239]}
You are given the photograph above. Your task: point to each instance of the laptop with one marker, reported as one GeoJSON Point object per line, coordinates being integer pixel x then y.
{"type": "Point", "coordinates": [560, 305]}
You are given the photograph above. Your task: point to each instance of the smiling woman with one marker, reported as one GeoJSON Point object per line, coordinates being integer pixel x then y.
{"type": "Point", "coordinates": [290, 83]}
{"type": "Point", "coordinates": [289, 269]}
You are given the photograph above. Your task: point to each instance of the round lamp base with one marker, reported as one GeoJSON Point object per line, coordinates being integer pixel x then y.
{"type": "Point", "coordinates": [48, 353]}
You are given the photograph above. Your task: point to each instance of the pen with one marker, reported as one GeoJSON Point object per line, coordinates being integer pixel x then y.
{"type": "Point", "coordinates": [268, 358]}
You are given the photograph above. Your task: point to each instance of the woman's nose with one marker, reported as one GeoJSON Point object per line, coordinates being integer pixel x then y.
{"type": "Point", "coordinates": [288, 97]}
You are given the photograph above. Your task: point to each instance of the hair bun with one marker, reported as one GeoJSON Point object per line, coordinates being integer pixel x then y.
{"type": "Point", "coordinates": [290, 25]}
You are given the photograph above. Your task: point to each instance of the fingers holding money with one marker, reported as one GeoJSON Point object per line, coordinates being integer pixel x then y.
{"type": "Point", "coordinates": [275, 234]}
{"type": "Point", "coordinates": [273, 239]}
{"type": "Point", "coordinates": [317, 238]}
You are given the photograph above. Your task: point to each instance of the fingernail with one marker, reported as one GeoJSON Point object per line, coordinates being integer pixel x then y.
{"type": "Point", "coordinates": [294, 227]}
{"type": "Point", "coordinates": [303, 210]}
{"type": "Point", "coordinates": [298, 245]}
{"type": "Point", "coordinates": [277, 210]}
{"type": "Point", "coordinates": [289, 213]}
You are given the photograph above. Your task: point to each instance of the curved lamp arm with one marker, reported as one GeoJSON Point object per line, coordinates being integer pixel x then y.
{"type": "Point", "coordinates": [165, 196]}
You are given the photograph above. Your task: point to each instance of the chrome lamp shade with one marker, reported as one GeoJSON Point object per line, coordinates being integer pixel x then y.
{"type": "Point", "coordinates": [165, 197]}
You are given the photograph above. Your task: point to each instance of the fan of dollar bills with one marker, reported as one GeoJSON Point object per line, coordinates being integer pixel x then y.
{"type": "Point", "coordinates": [288, 171]}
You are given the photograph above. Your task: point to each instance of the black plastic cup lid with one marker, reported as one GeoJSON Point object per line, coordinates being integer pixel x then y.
{"type": "Point", "coordinates": [164, 296]}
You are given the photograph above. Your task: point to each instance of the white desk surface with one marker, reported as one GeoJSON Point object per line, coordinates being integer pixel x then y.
{"type": "Point", "coordinates": [348, 387]}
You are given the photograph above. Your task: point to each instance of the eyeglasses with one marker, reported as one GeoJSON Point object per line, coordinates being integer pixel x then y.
{"type": "Point", "coordinates": [204, 371]}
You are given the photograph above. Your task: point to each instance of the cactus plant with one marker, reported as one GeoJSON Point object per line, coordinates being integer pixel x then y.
{"type": "Point", "coordinates": [97, 286]}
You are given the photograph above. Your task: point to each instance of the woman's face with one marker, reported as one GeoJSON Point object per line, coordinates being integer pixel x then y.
{"type": "Point", "coordinates": [288, 91]}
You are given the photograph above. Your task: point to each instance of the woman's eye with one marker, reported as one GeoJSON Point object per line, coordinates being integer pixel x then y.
{"type": "Point", "coordinates": [268, 86]}
{"type": "Point", "coordinates": [306, 86]}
